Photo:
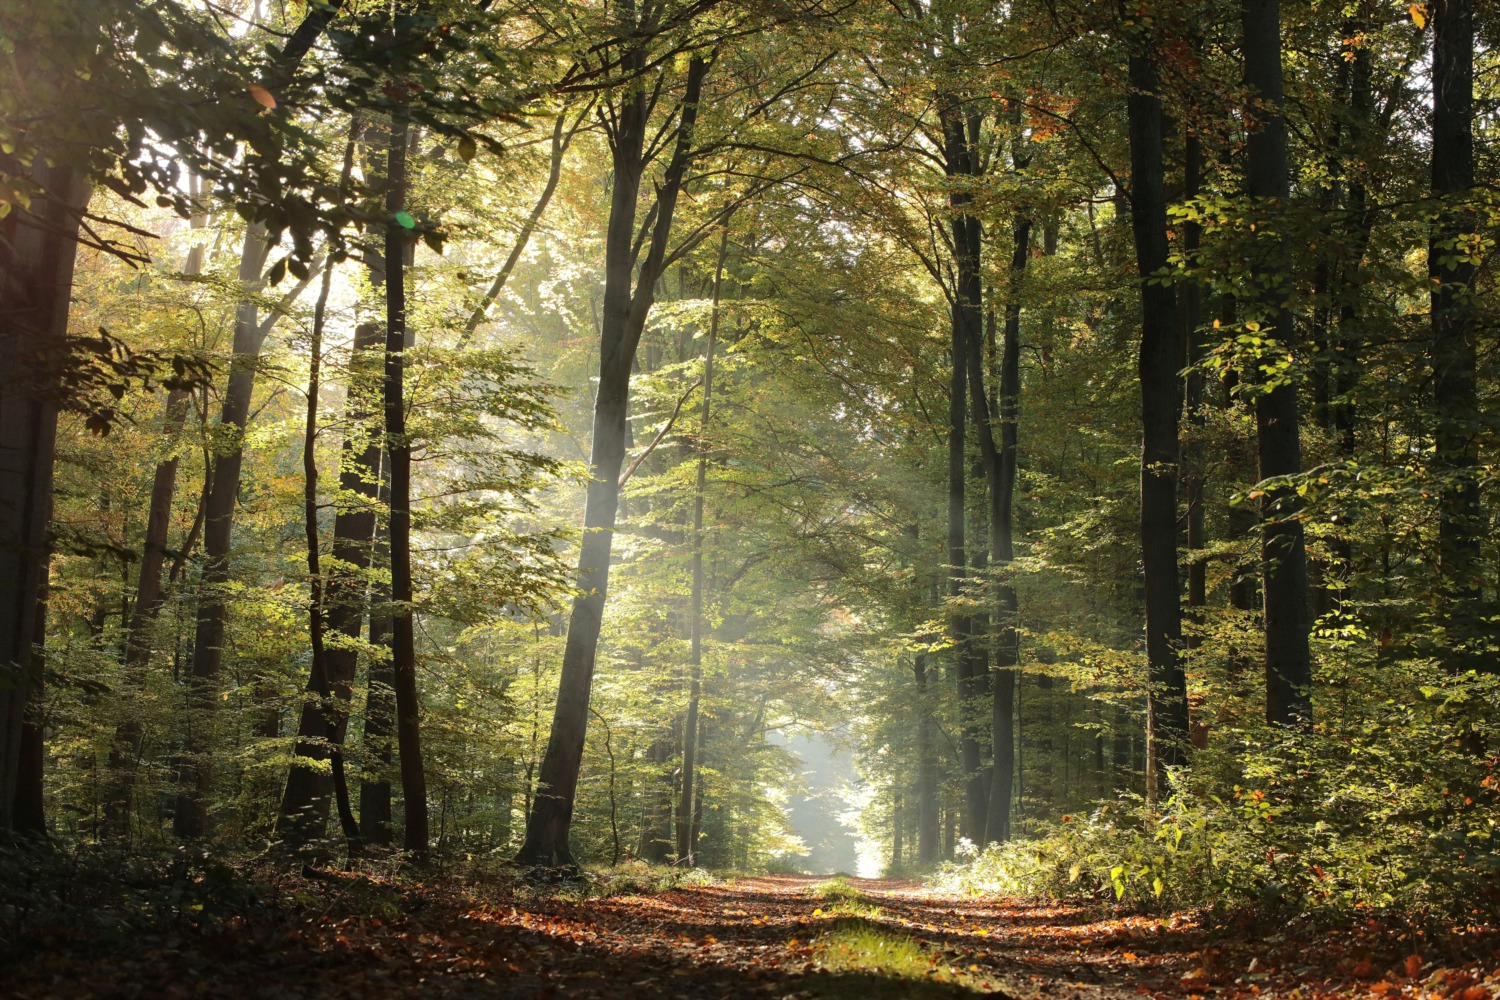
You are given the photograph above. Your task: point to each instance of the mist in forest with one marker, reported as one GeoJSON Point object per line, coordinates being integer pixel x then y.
{"type": "Point", "coordinates": [814, 813]}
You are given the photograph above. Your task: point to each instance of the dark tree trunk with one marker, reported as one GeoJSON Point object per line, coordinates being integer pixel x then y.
{"type": "Point", "coordinates": [36, 283]}
{"type": "Point", "coordinates": [1160, 359]}
{"type": "Point", "coordinates": [685, 840]}
{"type": "Point", "coordinates": [624, 317]}
{"type": "Point", "coordinates": [960, 165]}
{"type": "Point", "coordinates": [320, 730]}
{"type": "Point", "coordinates": [1194, 464]}
{"type": "Point", "coordinates": [31, 801]}
{"type": "Point", "coordinates": [362, 524]}
{"type": "Point", "coordinates": [380, 700]}
{"type": "Point", "coordinates": [999, 462]}
{"type": "Point", "coordinates": [398, 447]}
{"type": "Point", "coordinates": [1278, 437]}
{"type": "Point", "coordinates": [1451, 266]}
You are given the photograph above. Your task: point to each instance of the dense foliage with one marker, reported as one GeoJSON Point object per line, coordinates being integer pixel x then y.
{"type": "Point", "coordinates": [985, 394]}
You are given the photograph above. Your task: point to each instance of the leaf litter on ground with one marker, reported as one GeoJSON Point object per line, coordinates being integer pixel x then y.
{"type": "Point", "coordinates": [315, 934]}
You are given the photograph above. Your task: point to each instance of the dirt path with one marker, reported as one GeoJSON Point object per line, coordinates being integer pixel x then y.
{"type": "Point", "coordinates": [760, 937]}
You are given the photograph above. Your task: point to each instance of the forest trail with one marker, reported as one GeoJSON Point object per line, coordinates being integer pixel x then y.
{"type": "Point", "coordinates": [791, 938]}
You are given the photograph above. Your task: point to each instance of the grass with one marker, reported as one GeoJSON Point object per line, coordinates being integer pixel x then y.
{"type": "Point", "coordinates": [861, 959]}
{"type": "Point", "coordinates": [835, 890]}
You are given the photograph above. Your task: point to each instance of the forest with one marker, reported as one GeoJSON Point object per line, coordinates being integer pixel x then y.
{"type": "Point", "coordinates": [492, 487]}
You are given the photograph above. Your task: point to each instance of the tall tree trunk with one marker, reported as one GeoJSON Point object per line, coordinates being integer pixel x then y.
{"type": "Point", "coordinates": [624, 318]}
{"type": "Point", "coordinates": [1278, 436]}
{"type": "Point", "coordinates": [1345, 353]}
{"type": "Point", "coordinates": [1194, 460]}
{"type": "Point", "coordinates": [1160, 359]}
{"type": "Point", "coordinates": [36, 282]}
{"type": "Point", "coordinates": [398, 447]}
{"type": "Point", "coordinates": [999, 462]}
{"type": "Point", "coordinates": [125, 751]}
{"type": "Point", "coordinates": [927, 768]}
{"type": "Point", "coordinates": [1452, 267]}
{"type": "Point", "coordinates": [191, 817]}
{"type": "Point", "coordinates": [37, 253]}
{"type": "Point", "coordinates": [375, 813]}
{"type": "Point", "coordinates": [320, 730]}
{"type": "Point", "coordinates": [1006, 707]}
{"type": "Point", "coordinates": [685, 843]}
{"type": "Point", "coordinates": [958, 157]}
{"type": "Point", "coordinates": [368, 477]}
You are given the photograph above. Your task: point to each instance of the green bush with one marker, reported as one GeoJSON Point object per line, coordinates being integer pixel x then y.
{"type": "Point", "coordinates": [1395, 812]}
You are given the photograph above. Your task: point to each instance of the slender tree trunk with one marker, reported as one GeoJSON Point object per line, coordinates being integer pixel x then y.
{"type": "Point", "coordinates": [1278, 436]}
{"type": "Point", "coordinates": [125, 751]}
{"type": "Point", "coordinates": [999, 462]}
{"type": "Point", "coordinates": [1452, 268]}
{"type": "Point", "coordinates": [656, 823]}
{"type": "Point", "coordinates": [375, 814]}
{"type": "Point", "coordinates": [1006, 707]}
{"type": "Point", "coordinates": [304, 807]}
{"type": "Point", "coordinates": [965, 327]}
{"type": "Point", "coordinates": [1344, 361]}
{"type": "Point", "coordinates": [368, 477]}
{"type": "Point", "coordinates": [398, 447]}
{"type": "Point", "coordinates": [1194, 463]}
{"type": "Point", "coordinates": [1160, 359]}
{"type": "Point", "coordinates": [927, 765]}
{"type": "Point", "coordinates": [685, 842]}
{"type": "Point", "coordinates": [624, 318]}
{"type": "Point", "coordinates": [191, 819]}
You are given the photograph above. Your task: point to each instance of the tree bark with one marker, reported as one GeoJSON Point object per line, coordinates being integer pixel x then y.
{"type": "Point", "coordinates": [1278, 437]}
{"type": "Point", "coordinates": [927, 769]}
{"type": "Point", "coordinates": [959, 164]}
{"type": "Point", "coordinates": [1452, 268]}
{"type": "Point", "coordinates": [398, 447]}
{"type": "Point", "coordinates": [686, 845]}
{"type": "Point", "coordinates": [303, 818]}
{"type": "Point", "coordinates": [36, 282]}
{"type": "Point", "coordinates": [999, 463]}
{"type": "Point", "coordinates": [375, 813]}
{"type": "Point", "coordinates": [1160, 360]}
{"type": "Point", "coordinates": [125, 751]}
{"type": "Point", "coordinates": [624, 318]}
{"type": "Point", "coordinates": [191, 819]}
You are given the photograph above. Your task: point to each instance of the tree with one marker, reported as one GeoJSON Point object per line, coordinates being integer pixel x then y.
{"type": "Point", "coordinates": [628, 297]}
{"type": "Point", "coordinates": [1452, 267]}
{"type": "Point", "coordinates": [1278, 438]}
{"type": "Point", "coordinates": [1160, 360]}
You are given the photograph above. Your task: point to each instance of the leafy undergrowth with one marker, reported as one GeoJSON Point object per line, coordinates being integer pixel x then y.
{"type": "Point", "coordinates": [182, 926]}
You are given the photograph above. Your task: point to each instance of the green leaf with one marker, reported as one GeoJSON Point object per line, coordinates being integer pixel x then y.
{"type": "Point", "coordinates": [405, 220]}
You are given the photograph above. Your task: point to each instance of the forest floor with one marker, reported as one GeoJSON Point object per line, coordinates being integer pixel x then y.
{"type": "Point", "coordinates": [795, 938]}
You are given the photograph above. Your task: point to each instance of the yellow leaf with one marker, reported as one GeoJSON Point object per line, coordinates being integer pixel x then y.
{"type": "Point", "coordinates": [1418, 13]}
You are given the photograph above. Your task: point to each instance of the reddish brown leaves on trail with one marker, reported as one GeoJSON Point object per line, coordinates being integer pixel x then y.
{"type": "Point", "coordinates": [752, 938]}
